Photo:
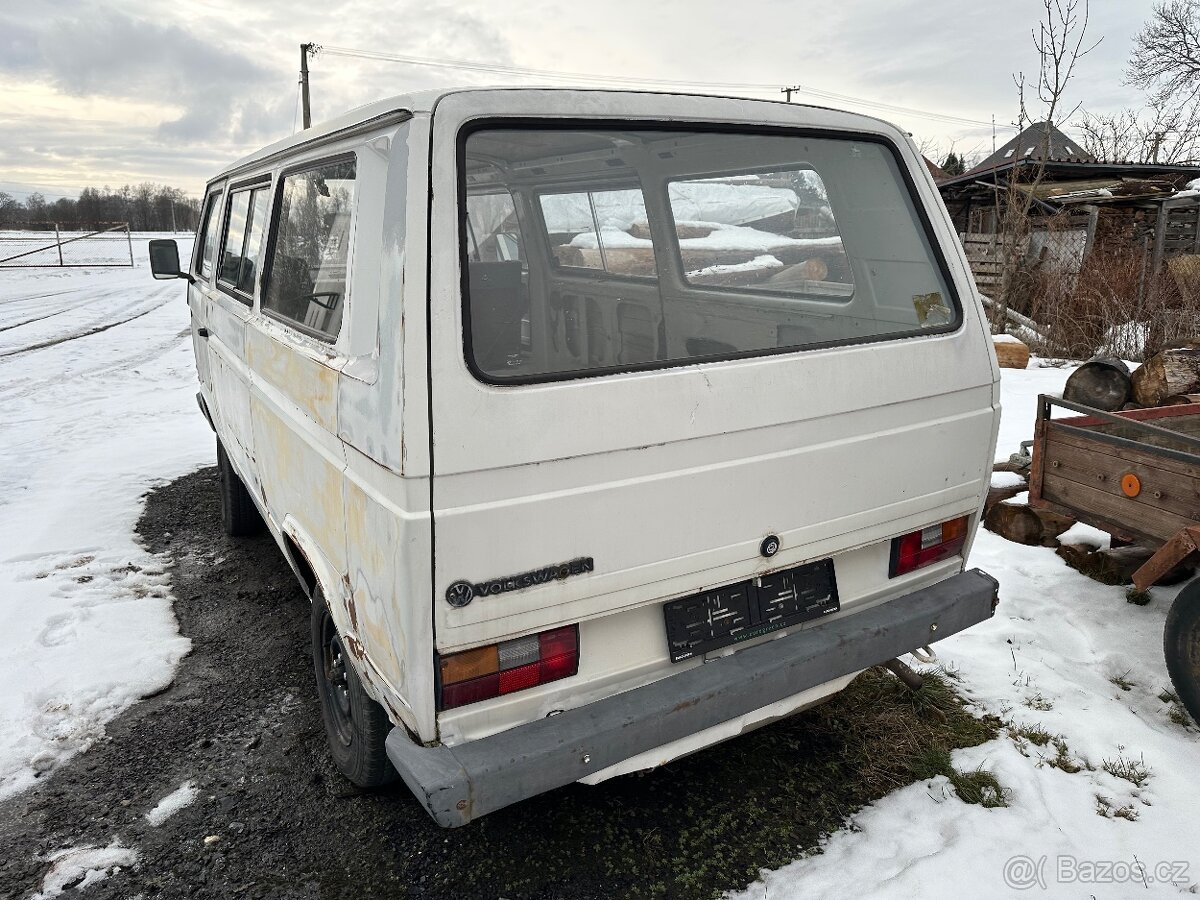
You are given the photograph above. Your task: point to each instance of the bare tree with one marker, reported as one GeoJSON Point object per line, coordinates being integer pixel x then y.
{"type": "Point", "coordinates": [1162, 132]}
{"type": "Point", "coordinates": [1059, 41]}
{"type": "Point", "coordinates": [1166, 52]}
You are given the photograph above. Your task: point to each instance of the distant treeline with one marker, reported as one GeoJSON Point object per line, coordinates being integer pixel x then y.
{"type": "Point", "coordinates": [146, 207]}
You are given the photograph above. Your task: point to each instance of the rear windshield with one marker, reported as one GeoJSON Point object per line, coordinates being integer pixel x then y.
{"type": "Point", "coordinates": [589, 250]}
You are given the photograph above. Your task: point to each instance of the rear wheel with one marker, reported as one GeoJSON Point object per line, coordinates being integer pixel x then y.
{"type": "Point", "coordinates": [355, 725]}
{"type": "Point", "coordinates": [1181, 646]}
{"type": "Point", "coordinates": [239, 515]}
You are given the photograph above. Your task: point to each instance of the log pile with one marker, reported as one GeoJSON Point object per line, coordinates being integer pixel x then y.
{"type": "Point", "coordinates": [1169, 377]}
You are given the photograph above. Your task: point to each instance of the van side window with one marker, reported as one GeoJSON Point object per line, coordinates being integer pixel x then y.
{"type": "Point", "coordinates": [492, 227]}
{"type": "Point", "coordinates": [605, 230]}
{"type": "Point", "coordinates": [206, 253]}
{"type": "Point", "coordinates": [306, 284]}
{"type": "Point", "coordinates": [242, 248]}
{"type": "Point", "coordinates": [772, 232]}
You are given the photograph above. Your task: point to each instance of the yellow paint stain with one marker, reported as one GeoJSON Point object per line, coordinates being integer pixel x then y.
{"type": "Point", "coordinates": [310, 384]}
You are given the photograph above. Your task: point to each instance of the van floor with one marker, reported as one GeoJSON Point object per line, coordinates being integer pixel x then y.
{"type": "Point", "coordinates": [271, 818]}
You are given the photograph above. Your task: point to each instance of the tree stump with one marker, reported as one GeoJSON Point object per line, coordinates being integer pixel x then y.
{"type": "Point", "coordinates": [1010, 352]}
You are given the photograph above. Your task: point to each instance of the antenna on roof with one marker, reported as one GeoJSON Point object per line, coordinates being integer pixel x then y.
{"type": "Point", "coordinates": [993, 132]}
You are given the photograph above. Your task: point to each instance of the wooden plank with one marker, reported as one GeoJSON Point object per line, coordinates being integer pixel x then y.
{"type": "Point", "coordinates": [1088, 503]}
{"type": "Point", "coordinates": [1160, 490]}
{"type": "Point", "coordinates": [1145, 457]}
{"type": "Point", "coordinates": [1038, 452]}
{"type": "Point", "coordinates": [1171, 554]}
{"type": "Point", "coordinates": [1138, 415]}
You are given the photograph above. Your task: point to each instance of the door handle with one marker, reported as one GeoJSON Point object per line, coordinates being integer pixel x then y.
{"type": "Point", "coordinates": [202, 332]}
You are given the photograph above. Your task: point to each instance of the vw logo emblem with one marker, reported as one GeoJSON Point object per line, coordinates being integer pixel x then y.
{"type": "Point", "coordinates": [770, 546]}
{"type": "Point", "coordinates": [460, 593]}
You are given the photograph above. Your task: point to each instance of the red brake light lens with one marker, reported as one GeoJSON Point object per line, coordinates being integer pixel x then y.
{"type": "Point", "coordinates": [498, 669]}
{"type": "Point", "coordinates": [929, 545]}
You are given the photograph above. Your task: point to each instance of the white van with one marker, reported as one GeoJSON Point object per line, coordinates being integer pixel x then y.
{"type": "Point", "coordinates": [600, 427]}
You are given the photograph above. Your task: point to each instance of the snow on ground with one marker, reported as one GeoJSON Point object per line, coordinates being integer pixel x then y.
{"type": "Point", "coordinates": [80, 867]}
{"type": "Point", "coordinates": [96, 406]}
{"type": "Point", "coordinates": [1069, 655]}
{"type": "Point", "coordinates": [179, 798]}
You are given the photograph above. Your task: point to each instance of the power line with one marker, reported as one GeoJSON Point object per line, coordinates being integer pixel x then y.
{"type": "Point", "coordinates": [631, 81]}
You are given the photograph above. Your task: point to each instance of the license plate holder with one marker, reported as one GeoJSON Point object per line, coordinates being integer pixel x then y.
{"type": "Point", "coordinates": [748, 609]}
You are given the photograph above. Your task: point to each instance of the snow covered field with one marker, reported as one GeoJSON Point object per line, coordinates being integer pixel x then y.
{"type": "Point", "coordinates": [96, 405]}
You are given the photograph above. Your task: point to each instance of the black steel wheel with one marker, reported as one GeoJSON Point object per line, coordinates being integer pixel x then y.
{"type": "Point", "coordinates": [355, 725]}
{"type": "Point", "coordinates": [1181, 646]}
{"type": "Point", "coordinates": [239, 515]}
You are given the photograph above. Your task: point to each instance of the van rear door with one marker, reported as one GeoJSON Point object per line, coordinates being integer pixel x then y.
{"type": "Point", "coordinates": [656, 343]}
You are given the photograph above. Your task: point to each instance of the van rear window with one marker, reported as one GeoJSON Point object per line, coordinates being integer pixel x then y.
{"type": "Point", "coordinates": [648, 247]}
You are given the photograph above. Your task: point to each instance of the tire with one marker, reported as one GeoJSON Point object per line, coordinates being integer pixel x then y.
{"type": "Point", "coordinates": [1181, 647]}
{"type": "Point", "coordinates": [239, 515]}
{"type": "Point", "coordinates": [355, 725]}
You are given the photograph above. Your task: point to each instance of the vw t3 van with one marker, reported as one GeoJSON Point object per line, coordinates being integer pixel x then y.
{"type": "Point", "coordinates": [599, 427]}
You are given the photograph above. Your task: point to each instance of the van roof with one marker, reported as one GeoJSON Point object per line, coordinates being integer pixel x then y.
{"type": "Point", "coordinates": [378, 111]}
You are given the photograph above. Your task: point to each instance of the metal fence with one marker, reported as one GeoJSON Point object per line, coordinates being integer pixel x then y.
{"type": "Point", "coordinates": [65, 245]}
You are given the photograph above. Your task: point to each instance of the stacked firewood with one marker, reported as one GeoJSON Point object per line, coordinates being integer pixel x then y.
{"type": "Point", "coordinates": [1169, 377]}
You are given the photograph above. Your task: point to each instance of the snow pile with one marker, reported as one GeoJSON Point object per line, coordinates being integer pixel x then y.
{"type": "Point", "coordinates": [1068, 655]}
{"type": "Point", "coordinates": [178, 799]}
{"type": "Point", "coordinates": [730, 204]}
{"type": "Point", "coordinates": [80, 867]}
{"type": "Point", "coordinates": [759, 263]}
{"type": "Point", "coordinates": [721, 237]}
{"type": "Point", "coordinates": [92, 414]}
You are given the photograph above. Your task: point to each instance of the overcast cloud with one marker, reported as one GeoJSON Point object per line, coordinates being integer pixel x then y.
{"type": "Point", "coordinates": [95, 93]}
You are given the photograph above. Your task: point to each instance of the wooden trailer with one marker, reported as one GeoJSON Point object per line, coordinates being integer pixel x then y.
{"type": "Point", "coordinates": [1136, 474]}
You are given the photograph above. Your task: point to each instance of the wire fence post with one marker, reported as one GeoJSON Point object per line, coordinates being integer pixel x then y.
{"type": "Point", "coordinates": [129, 238]}
{"type": "Point", "coordinates": [58, 242]}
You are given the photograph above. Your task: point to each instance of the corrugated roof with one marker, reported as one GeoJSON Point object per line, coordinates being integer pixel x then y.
{"type": "Point", "coordinates": [1041, 140]}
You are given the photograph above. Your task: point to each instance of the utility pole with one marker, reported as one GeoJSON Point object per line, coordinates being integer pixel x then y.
{"type": "Point", "coordinates": [305, 50]}
{"type": "Point", "coordinates": [788, 91]}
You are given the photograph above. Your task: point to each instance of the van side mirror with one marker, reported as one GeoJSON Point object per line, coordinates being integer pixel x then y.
{"type": "Point", "coordinates": [164, 260]}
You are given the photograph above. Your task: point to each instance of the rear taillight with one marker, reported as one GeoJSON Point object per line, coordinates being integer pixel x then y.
{"type": "Point", "coordinates": [498, 669]}
{"type": "Point", "coordinates": [927, 546]}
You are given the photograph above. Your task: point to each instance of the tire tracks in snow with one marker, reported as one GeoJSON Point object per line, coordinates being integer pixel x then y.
{"type": "Point", "coordinates": [62, 339]}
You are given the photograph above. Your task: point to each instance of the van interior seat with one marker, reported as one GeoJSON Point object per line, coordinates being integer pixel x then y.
{"type": "Point", "coordinates": [498, 304]}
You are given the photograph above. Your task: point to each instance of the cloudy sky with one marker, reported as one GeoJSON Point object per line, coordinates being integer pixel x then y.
{"type": "Point", "coordinates": [96, 92]}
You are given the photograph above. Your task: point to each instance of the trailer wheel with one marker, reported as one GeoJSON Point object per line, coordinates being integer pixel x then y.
{"type": "Point", "coordinates": [355, 725]}
{"type": "Point", "coordinates": [1181, 646]}
{"type": "Point", "coordinates": [239, 515]}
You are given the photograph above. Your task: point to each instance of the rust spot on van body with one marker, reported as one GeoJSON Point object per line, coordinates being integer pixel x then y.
{"type": "Point", "coordinates": [354, 645]}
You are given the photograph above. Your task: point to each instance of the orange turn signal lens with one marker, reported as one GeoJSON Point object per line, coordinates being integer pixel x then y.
{"type": "Point", "coordinates": [470, 664]}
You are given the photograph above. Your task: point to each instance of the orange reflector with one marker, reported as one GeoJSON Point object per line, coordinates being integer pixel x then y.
{"type": "Point", "coordinates": [1131, 484]}
{"type": "Point", "coordinates": [471, 664]}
